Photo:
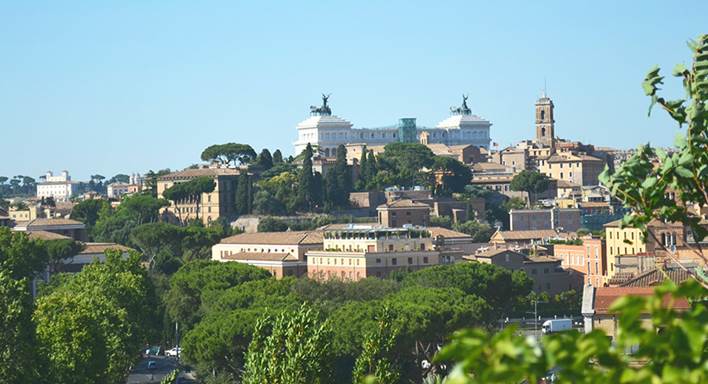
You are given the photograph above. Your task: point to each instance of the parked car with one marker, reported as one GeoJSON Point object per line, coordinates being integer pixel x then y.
{"type": "Point", "coordinates": [152, 364]}
{"type": "Point", "coordinates": [154, 350]}
{"type": "Point", "coordinates": [173, 352]}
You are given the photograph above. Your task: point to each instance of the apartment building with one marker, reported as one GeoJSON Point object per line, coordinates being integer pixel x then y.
{"type": "Point", "coordinates": [280, 253]}
{"type": "Point", "coordinates": [567, 220]}
{"type": "Point", "coordinates": [588, 258]}
{"type": "Point", "coordinates": [628, 241]}
{"type": "Point", "coordinates": [577, 168]}
{"type": "Point", "coordinates": [403, 212]}
{"type": "Point", "coordinates": [524, 238]}
{"type": "Point", "coordinates": [361, 251]}
{"type": "Point", "coordinates": [546, 272]}
{"type": "Point", "coordinates": [212, 206]}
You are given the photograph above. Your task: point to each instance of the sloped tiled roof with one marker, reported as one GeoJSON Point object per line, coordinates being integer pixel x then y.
{"type": "Point", "coordinates": [496, 251]}
{"type": "Point", "coordinates": [261, 256]}
{"type": "Point", "coordinates": [444, 232]}
{"type": "Point", "coordinates": [46, 235]}
{"type": "Point", "coordinates": [656, 277]}
{"type": "Point", "coordinates": [606, 296]}
{"type": "Point", "coordinates": [197, 172]}
{"type": "Point", "coordinates": [542, 259]}
{"type": "Point", "coordinates": [50, 222]}
{"type": "Point", "coordinates": [404, 203]}
{"type": "Point", "coordinates": [91, 248]}
{"type": "Point", "coordinates": [527, 235]}
{"type": "Point", "coordinates": [276, 238]}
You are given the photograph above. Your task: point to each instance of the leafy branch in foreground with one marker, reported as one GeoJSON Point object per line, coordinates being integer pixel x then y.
{"type": "Point", "coordinates": [675, 354]}
{"type": "Point", "coordinates": [671, 187]}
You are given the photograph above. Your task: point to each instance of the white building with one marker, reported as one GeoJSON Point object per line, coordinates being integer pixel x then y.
{"type": "Point", "coordinates": [60, 187]}
{"type": "Point", "coordinates": [326, 131]}
{"type": "Point", "coordinates": [116, 190]}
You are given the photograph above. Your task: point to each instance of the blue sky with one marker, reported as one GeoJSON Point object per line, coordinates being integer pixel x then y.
{"type": "Point", "coordinates": [109, 87]}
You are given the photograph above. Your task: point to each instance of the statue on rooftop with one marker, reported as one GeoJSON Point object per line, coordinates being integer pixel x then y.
{"type": "Point", "coordinates": [323, 110]}
{"type": "Point", "coordinates": [462, 110]}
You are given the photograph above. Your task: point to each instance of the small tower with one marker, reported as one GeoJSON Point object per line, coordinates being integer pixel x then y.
{"type": "Point", "coordinates": [545, 127]}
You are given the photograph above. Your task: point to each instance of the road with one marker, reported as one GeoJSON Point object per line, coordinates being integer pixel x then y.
{"type": "Point", "coordinates": [163, 365]}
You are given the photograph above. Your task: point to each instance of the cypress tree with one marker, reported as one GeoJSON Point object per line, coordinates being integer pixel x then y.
{"type": "Point", "coordinates": [265, 160]}
{"type": "Point", "coordinates": [243, 194]}
{"type": "Point", "coordinates": [363, 180]}
{"type": "Point", "coordinates": [306, 182]}
{"type": "Point", "coordinates": [342, 179]}
{"type": "Point", "coordinates": [277, 157]}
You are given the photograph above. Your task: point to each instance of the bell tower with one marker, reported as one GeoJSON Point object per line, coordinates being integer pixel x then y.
{"type": "Point", "coordinates": [545, 125]}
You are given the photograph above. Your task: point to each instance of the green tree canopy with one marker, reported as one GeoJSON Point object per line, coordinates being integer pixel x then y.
{"type": "Point", "coordinates": [19, 362]}
{"type": "Point", "coordinates": [20, 256]}
{"type": "Point", "coordinates": [531, 182]}
{"type": "Point", "coordinates": [289, 348]}
{"type": "Point", "coordinates": [480, 232]}
{"type": "Point", "coordinates": [229, 153]}
{"type": "Point", "coordinates": [449, 176]}
{"type": "Point", "coordinates": [194, 279]}
{"type": "Point", "coordinates": [90, 327]}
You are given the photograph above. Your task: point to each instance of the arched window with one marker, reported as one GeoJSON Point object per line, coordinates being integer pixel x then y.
{"type": "Point", "coordinates": [543, 115]}
{"type": "Point", "coordinates": [543, 132]}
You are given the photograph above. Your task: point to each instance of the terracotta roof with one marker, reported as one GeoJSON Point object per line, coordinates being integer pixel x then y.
{"type": "Point", "coordinates": [594, 204]}
{"type": "Point", "coordinates": [342, 226]}
{"type": "Point", "coordinates": [260, 256]}
{"type": "Point", "coordinates": [487, 166]}
{"type": "Point", "coordinates": [197, 172]}
{"type": "Point", "coordinates": [404, 203]}
{"type": "Point", "coordinates": [557, 158]}
{"type": "Point", "coordinates": [496, 251]}
{"type": "Point", "coordinates": [613, 224]}
{"type": "Point", "coordinates": [656, 277]}
{"type": "Point", "coordinates": [542, 259]}
{"type": "Point", "coordinates": [276, 238]}
{"type": "Point", "coordinates": [566, 184]}
{"type": "Point", "coordinates": [606, 296]}
{"type": "Point", "coordinates": [46, 235]}
{"type": "Point", "coordinates": [91, 248]}
{"type": "Point", "coordinates": [527, 235]}
{"type": "Point", "coordinates": [444, 232]}
{"type": "Point", "coordinates": [49, 222]}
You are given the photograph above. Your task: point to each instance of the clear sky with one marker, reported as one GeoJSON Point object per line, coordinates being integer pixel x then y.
{"type": "Point", "coordinates": [126, 86]}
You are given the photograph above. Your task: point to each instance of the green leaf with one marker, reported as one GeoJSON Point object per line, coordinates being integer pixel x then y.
{"type": "Point", "coordinates": [679, 69]}
{"type": "Point", "coordinates": [649, 182]}
{"type": "Point", "coordinates": [686, 158]}
{"type": "Point", "coordinates": [684, 172]}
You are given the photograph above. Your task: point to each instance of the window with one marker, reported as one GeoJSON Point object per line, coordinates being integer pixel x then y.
{"type": "Point", "coordinates": [533, 271]}
{"type": "Point", "coordinates": [394, 261]}
{"type": "Point", "coordinates": [378, 261]}
{"type": "Point", "coordinates": [548, 285]}
{"type": "Point", "coordinates": [545, 270]}
{"type": "Point", "coordinates": [425, 259]}
{"type": "Point", "coordinates": [410, 260]}
{"type": "Point", "coordinates": [390, 247]}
